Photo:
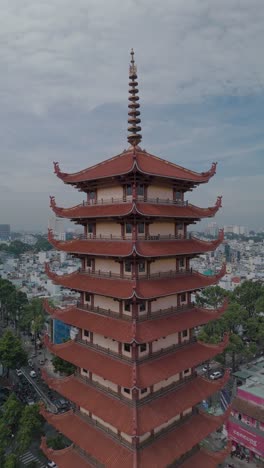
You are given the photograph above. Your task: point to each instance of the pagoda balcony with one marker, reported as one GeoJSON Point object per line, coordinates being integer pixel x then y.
{"type": "Point", "coordinates": [150, 397]}
{"type": "Point", "coordinates": [161, 451]}
{"type": "Point", "coordinates": [118, 438]}
{"type": "Point", "coordinates": [128, 199]}
{"type": "Point", "coordinates": [140, 237]}
{"type": "Point", "coordinates": [146, 357]}
{"type": "Point", "coordinates": [141, 318]}
{"type": "Point", "coordinates": [138, 276]}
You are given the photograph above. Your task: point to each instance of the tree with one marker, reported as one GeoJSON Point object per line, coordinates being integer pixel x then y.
{"type": "Point", "coordinates": [33, 318]}
{"type": "Point", "coordinates": [57, 442]}
{"type": "Point", "coordinates": [11, 412]}
{"type": "Point", "coordinates": [62, 366]}
{"type": "Point", "coordinates": [235, 348]}
{"type": "Point", "coordinates": [212, 296]}
{"type": "Point", "coordinates": [42, 244]}
{"type": "Point", "coordinates": [30, 424]}
{"type": "Point", "coordinates": [11, 461]}
{"type": "Point", "coordinates": [248, 294]}
{"type": "Point", "coordinates": [5, 434]}
{"type": "Point", "coordinates": [12, 354]}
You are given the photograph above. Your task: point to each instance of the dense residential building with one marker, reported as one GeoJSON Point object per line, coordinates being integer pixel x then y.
{"type": "Point", "coordinates": [246, 424]}
{"type": "Point", "coordinates": [135, 391]}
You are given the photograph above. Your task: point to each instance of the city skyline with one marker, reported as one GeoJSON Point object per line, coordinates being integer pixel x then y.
{"type": "Point", "coordinates": [64, 98]}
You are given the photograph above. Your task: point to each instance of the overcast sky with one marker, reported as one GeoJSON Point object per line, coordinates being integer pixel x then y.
{"type": "Point", "coordinates": [63, 94]}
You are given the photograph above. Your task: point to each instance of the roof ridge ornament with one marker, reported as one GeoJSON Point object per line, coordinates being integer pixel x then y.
{"type": "Point", "coordinates": [134, 137]}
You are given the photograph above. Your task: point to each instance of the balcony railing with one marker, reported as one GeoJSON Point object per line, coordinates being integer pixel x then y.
{"type": "Point", "coordinates": [128, 199]}
{"type": "Point", "coordinates": [146, 357]}
{"type": "Point", "coordinates": [140, 237]}
{"type": "Point", "coordinates": [152, 316]}
{"type": "Point", "coordinates": [123, 441]}
{"type": "Point", "coordinates": [160, 274]}
{"type": "Point", "coordinates": [98, 425]}
{"type": "Point", "coordinates": [151, 396]}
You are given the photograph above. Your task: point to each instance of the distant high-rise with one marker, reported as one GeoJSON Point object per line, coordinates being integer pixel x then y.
{"type": "Point", "coordinates": [5, 232]}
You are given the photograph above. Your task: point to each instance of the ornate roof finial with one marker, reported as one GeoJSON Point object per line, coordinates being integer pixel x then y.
{"type": "Point", "coordinates": [134, 137]}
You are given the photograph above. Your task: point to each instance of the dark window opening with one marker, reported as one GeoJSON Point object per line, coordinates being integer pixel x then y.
{"type": "Point", "coordinates": [140, 189]}
{"type": "Point", "coordinates": [184, 333]}
{"type": "Point", "coordinates": [183, 297]}
{"type": "Point", "coordinates": [141, 267]}
{"type": "Point", "coordinates": [90, 228]}
{"type": "Point", "coordinates": [88, 297]}
{"type": "Point", "coordinates": [178, 195]}
{"type": "Point", "coordinates": [143, 347]}
{"type": "Point", "coordinates": [91, 195]}
{"type": "Point", "coordinates": [128, 267]}
{"type": "Point", "coordinates": [142, 306]}
{"type": "Point", "coordinates": [141, 228]}
{"type": "Point", "coordinates": [181, 262]}
{"type": "Point", "coordinates": [86, 333]}
{"type": "Point", "coordinates": [127, 390]}
{"type": "Point", "coordinates": [186, 371]}
{"type": "Point", "coordinates": [128, 228]}
{"type": "Point", "coordinates": [128, 189]}
{"type": "Point", "coordinates": [89, 262]}
{"type": "Point", "coordinates": [127, 347]}
{"type": "Point", "coordinates": [143, 390]}
{"type": "Point", "coordinates": [127, 306]}
{"type": "Point", "coordinates": [85, 371]}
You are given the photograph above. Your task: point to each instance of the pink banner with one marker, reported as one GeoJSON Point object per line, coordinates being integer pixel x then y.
{"type": "Point", "coordinates": [246, 438]}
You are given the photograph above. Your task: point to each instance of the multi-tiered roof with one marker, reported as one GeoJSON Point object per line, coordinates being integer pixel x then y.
{"type": "Point", "coordinates": [135, 391]}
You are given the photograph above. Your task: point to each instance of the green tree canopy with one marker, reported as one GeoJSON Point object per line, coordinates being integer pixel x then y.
{"type": "Point", "coordinates": [62, 366]}
{"type": "Point", "coordinates": [11, 411]}
{"type": "Point", "coordinates": [12, 354]}
{"type": "Point", "coordinates": [30, 424]}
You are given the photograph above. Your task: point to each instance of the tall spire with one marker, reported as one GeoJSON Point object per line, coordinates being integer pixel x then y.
{"type": "Point", "coordinates": [134, 136]}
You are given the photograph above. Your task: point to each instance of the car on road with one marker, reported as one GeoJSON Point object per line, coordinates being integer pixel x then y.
{"type": "Point", "coordinates": [207, 368]}
{"type": "Point", "coordinates": [19, 372]}
{"type": "Point", "coordinates": [33, 374]}
{"type": "Point", "coordinates": [51, 464]}
{"type": "Point", "coordinates": [216, 375]}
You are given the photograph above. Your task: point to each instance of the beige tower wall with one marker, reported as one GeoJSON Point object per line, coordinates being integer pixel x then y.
{"type": "Point", "coordinates": [165, 264]}
{"type": "Point", "coordinates": [104, 382]}
{"type": "Point", "coordinates": [107, 193]}
{"type": "Point", "coordinates": [107, 265]}
{"type": "Point", "coordinates": [162, 229]}
{"type": "Point", "coordinates": [164, 302]}
{"type": "Point", "coordinates": [106, 229]}
{"type": "Point", "coordinates": [166, 382]}
{"type": "Point", "coordinates": [159, 191]}
{"type": "Point", "coordinates": [104, 342]}
{"type": "Point", "coordinates": [166, 342]}
{"type": "Point", "coordinates": [106, 303]}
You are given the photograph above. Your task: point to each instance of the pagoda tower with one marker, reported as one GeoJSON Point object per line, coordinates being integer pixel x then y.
{"type": "Point", "coordinates": [135, 391]}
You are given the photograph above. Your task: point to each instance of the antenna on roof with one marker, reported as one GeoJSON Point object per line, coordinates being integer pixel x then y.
{"type": "Point", "coordinates": [134, 137]}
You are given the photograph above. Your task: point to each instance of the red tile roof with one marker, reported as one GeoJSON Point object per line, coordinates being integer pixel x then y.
{"type": "Point", "coordinates": [161, 452]}
{"type": "Point", "coordinates": [125, 248]}
{"type": "Point", "coordinates": [206, 459]}
{"type": "Point", "coordinates": [124, 330]}
{"type": "Point", "coordinates": [145, 209]}
{"type": "Point", "coordinates": [143, 288]}
{"type": "Point", "coordinates": [121, 415]}
{"type": "Point", "coordinates": [145, 163]}
{"type": "Point", "coordinates": [176, 443]}
{"type": "Point", "coordinates": [148, 372]}
{"type": "Point", "coordinates": [65, 458]}
{"type": "Point", "coordinates": [92, 441]}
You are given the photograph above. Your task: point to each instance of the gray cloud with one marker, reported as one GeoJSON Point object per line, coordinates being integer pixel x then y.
{"type": "Point", "coordinates": [63, 92]}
